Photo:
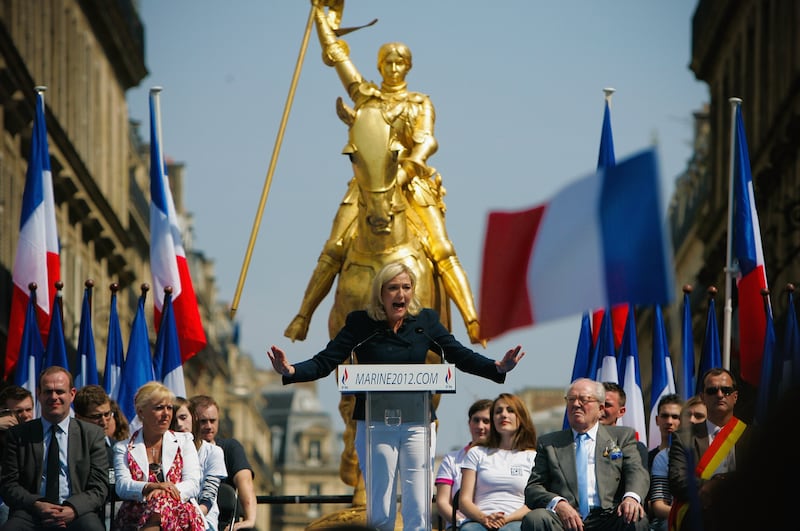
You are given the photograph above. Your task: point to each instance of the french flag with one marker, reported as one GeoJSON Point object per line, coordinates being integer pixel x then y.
{"type": "Point", "coordinates": [167, 255]}
{"type": "Point", "coordinates": [751, 277]}
{"type": "Point", "coordinates": [167, 356]}
{"type": "Point", "coordinates": [600, 241]}
{"type": "Point", "coordinates": [37, 258]}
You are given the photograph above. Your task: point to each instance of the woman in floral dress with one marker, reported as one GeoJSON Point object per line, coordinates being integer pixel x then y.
{"type": "Point", "coordinates": [157, 472]}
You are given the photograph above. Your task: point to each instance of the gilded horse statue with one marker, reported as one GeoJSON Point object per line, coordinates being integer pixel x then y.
{"type": "Point", "coordinates": [393, 209]}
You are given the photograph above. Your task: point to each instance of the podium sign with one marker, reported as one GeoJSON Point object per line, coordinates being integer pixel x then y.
{"type": "Point", "coordinates": [398, 408]}
{"type": "Point", "coordinates": [434, 378]}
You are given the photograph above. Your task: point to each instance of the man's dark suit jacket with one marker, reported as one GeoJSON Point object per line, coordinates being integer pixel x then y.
{"type": "Point", "coordinates": [696, 439]}
{"type": "Point", "coordinates": [23, 467]}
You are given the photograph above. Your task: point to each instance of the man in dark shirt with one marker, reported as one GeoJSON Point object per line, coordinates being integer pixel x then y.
{"type": "Point", "coordinates": [240, 473]}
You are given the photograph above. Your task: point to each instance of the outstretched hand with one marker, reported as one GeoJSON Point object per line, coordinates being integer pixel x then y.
{"type": "Point", "coordinates": [279, 361]}
{"type": "Point", "coordinates": [510, 360]}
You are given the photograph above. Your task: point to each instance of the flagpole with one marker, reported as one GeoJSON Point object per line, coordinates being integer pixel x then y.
{"type": "Point", "coordinates": [608, 91]}
{"type": "Point", "coordinates": [729, 270]}
{"type": "Point", "coordinates": [272, 163]}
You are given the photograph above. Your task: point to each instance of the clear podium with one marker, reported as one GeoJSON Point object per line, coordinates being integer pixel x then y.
{"type": "Point", "coordinates": [397, 397]}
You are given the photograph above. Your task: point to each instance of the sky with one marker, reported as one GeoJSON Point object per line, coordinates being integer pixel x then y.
{"type": "Point", "coordinates": [518, 90]}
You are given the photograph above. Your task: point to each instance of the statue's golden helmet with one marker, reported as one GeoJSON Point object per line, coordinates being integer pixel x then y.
{"type": "Point", "coordinates": [399, 48]}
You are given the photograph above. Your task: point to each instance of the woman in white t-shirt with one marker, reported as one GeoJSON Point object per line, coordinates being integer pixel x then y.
{"type": "Point", "coordinates": [448, 477]}
{"type": "Point", "coordinates": [494, 473]}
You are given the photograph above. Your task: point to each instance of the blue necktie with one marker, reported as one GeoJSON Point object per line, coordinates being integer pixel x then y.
{"type": "Point", "coordinates": [582, 466]}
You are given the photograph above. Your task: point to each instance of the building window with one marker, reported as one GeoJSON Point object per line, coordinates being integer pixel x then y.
{"type": "Point", "coordinates": [314, 451]}
{"type": "Point", "coordinates": [314, 509]}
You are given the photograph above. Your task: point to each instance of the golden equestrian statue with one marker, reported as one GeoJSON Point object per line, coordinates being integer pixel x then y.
{"type": "Point", "coordinates": [392, 210]}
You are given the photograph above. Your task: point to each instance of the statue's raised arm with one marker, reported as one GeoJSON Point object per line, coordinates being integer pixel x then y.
{"type": "Point", "coordinates": [408, 119]}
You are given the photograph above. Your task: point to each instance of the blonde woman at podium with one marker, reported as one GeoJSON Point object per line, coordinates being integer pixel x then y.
{"type": "Point", "coordinates": [394, 329]}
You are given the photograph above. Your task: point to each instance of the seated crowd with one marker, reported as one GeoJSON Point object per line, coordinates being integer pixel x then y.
{"type": "Point", "coordinates": [76, 466]}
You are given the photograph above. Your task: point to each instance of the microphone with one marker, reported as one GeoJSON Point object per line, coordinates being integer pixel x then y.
{"type": "Point", "coordinates": [422, 331]}
{"type": "Point", "coordinates": [353, 350]}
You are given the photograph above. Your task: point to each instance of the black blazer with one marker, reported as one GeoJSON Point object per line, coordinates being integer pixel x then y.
{"type": "Point", "coordinates": [696, 440]}
{"type": "Point", "coordinates": [23, 462]}
{"type": "Point", "coordinates": [410, 344]}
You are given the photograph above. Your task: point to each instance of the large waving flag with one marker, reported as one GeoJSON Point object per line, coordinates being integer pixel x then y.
{"type": "Point", "coordinates": [114, 350]}
{"type": "Point", "coordinates": [619, 249]}
{"type": "Point", "coordinates": [86, 366]}
{"type": "Point", "coordinates": [661, 375]}
{"type": "Point", "coordinates": [167, 356]}
{"type": "Point", "coordinates": [751, 276]}
{"type": "Point", "coordinates": [687, 386]}
{"type": "Point", "coordinates": [37, 257]}
{"type": "Point", "coordinates": [55, 354]}
{"type": "Point", "coordinates": [634, 416]}
{"type": "Point", "coordinates": [31, 353]}
{"type": "Point", "coordinates": [583, 351]}
{"type": "Point", "coordinates": [710, 356]}
{"type": "Point", "coordinates": [138, 367]}
{"type": "Point", "coordinates": [167, 255]}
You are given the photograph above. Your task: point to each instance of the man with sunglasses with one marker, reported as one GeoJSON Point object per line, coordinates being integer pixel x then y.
{"type": "Point", "coordinates": [702, 458]}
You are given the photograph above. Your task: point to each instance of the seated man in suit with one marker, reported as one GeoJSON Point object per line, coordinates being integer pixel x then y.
{"type": "Point", "coordinates": [605, 491]}
{"type": "Point", "coordinates": [703, 457]}
{"type": "Point", "coordinates": [17, 408]}
{"type": "Point", "coordinates": [55, 469]}
{"type": "Point", "coordinates": [92, 404]}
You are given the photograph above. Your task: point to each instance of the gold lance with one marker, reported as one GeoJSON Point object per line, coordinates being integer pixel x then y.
{"type": "Point", "coordinates": [335, 8]}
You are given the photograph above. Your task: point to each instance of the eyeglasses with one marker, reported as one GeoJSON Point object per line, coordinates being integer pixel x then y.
{"type": "Point", "coordinates": [101, 415]}
{"type": "Point", "coordinates": [669, 416]}
{"type": "Point", "coordinates": [727, 390]}
{"type": "Point", "coordinates": [583, 400]}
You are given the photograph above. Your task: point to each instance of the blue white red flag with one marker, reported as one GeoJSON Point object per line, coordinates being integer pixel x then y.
{"type": "Point", "coordinates": [662, 382]}
{"type": "Point", "coordinates": [751, 275]}
{"type": "Point", "coordinates": [55, 353]}
{"type": "Point", "coordinates": [606, 353]}
{"type": "Point", "coordinates": [771, 367]}
{"type": "Point", "coordinates": [607, 159]}
{"type": "Point", "coordinates": [31, 353]}
{"type": "Point", "coordinates": [583, 351]}
{"type": "Point", "coordinates": [167, 356]}
{"type": "Point", "coordinates": [619, 250]}
{"type": "Point", "coordinates": [687, 387]}
{"type": "Point", "coordinates": [634, 416]}
{"type": "Point", "coordinates": [138, 367]}
{"type": "Point", "coordinates": [791, 348]}
{"type": "Point", "coordinates": [167, 255]}
{"type": "Point", "coordinates": [37, 258]}
{"type": "Point", "coordinates": [114, 352]}
{"type": "Point", "coordinates": [86, 366]}
{"type": "Point", "coordinates": [711, 355]}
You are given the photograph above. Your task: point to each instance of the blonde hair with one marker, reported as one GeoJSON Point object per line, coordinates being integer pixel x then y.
{"type": "Point", "coordinates": [375, 308]}
{"type": "Point", "coordinates": [150, 393]}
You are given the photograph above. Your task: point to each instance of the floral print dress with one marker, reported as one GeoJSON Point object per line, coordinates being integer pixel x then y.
{"type": "Point", "coordinates": [175, 514]}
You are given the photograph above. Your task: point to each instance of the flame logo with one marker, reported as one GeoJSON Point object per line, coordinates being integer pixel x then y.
{"type": "Point", "coordinates": [449, 375]}
{"type": "Point", "coordinates": [345, 376]}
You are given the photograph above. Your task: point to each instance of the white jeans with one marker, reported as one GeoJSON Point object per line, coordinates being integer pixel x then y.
{"type": "Point", "coordinates": [397, 448]}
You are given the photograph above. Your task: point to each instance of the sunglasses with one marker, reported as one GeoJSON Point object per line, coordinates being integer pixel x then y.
{"type": "Point", "coordinates": [727, 390]}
